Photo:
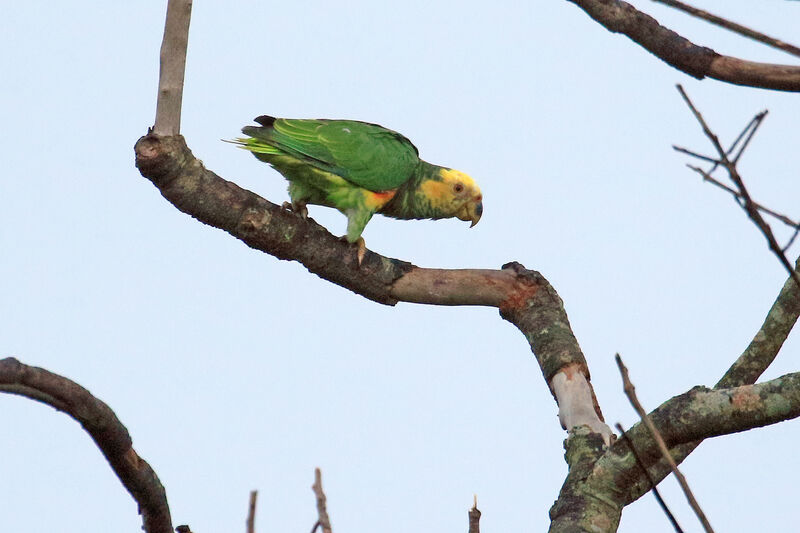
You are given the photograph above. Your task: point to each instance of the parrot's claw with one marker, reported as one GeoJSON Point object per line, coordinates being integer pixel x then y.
{"type": "Point", "coordinates": [300, 209]}
{"type": "Point", "coordinates": [361, 248]}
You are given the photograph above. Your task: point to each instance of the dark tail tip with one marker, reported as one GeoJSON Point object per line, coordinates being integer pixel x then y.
{"type": "Point", "coordinates": [265, 120]}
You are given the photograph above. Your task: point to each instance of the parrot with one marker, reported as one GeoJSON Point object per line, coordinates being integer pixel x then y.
{"type": "Point", "coordinates": [360, 169]}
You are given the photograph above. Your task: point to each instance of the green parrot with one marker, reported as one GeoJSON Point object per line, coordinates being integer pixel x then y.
{"type": "Point", "coordinates": [360, 169]}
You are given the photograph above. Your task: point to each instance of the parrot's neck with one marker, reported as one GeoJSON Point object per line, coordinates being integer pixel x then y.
{"type": "Point", "coordinates": [411, 201]}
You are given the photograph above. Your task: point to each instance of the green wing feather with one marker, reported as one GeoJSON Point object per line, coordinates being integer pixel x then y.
{"type": "Point", "coordinates": [366, 155]}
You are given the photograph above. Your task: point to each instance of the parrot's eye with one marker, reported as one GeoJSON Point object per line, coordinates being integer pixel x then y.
{"type": "Point", "coordinates": [458, 187]}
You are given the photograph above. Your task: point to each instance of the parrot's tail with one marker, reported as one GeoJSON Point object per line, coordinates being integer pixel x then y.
{"type": "Point", "coordinates": [254, 145]}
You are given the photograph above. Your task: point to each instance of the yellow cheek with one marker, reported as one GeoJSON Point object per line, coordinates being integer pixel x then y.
{"type": "Point", "coordinates": [435, 191]}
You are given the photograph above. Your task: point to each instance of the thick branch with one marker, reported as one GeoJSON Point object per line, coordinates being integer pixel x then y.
{"type": "Point", "coordinates": [618, 468]}
{"type": "Point", "coordinates": [580, 507]}
{"type": "Point", "coordinates": [653, 488]}
{"type": "Point", "coordinates": [702, 413]}
{"type": "Point", "coordinates": [697, 61]}
{"type": "Point", "coordinates": [105, 429]}
{"type": "Point", "coordinates": [524, 297]}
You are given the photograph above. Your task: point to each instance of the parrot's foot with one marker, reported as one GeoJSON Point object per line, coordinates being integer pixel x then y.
{"type": "Point", "coordinates": [298, 208]}
{"type": "Point", "coordinates": [361, 248]}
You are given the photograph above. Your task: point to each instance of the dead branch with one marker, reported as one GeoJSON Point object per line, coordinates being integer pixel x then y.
{"type": "Point", "coordinates": [746, 134]}
{"type": "Point", "coordinates": [103, 426]}
{"type": "Point", "coordinates": [323, 520]}
{"type": "Point", "coordinates": [709, 178]}
{"type": "Point", "coordinates": [630, 392]}
{"type": "Point", "coordinates": [172, 68]}
{"type": "Point", "coordinates": [697, 61]}
{"type": "Point", "coordinates": [747, 203]}
{"type": "Point", "coordinates": [732, 26]}
{"type": "Point", "coordinates": [251, 512]}
{"type": "Point", "coordinates": [474, 517]}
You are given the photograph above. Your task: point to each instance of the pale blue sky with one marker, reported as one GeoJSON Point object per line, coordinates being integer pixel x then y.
{"type": "Point", "coordinates": [233, 370]}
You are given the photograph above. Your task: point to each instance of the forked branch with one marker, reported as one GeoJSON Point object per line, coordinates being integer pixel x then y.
{"type": "Point", "coordinates": [729, 164]}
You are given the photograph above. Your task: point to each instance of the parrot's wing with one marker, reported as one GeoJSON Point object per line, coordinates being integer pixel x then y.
{"type": "Point", "coordinates": [367, 155]}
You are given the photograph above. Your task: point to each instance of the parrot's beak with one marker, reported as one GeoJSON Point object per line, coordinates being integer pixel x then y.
{"type": "Point", "coordinates": [475, 211]}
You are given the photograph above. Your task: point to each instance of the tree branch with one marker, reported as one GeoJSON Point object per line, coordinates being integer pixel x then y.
{"type": "Point", "coordinates": [250, 523]}
{"type": "Point", "coordinates": [105, 429]}
{"type": "Point", "coordinates": [323, 520]}
{"type": "Point", "coordinates": [474, 515]}
{"type": "Point", "coordinates": [732, 26]}
{"type": "Point", "coordinates": [655, 434]}
{"type": "Point", "coordinates": [618, 467]}
{"type": "Point", "coordinates": [747, 203]}
{"type": "Point", "coordinates": [653, 488]}
{"type": "Point", "coordinates": [581, 506]}
{"type": "Point", "coordinates": [524, 297]}
{"type": "Point", "coordinates": [709, 178]}
{"type": "Point", "coordinates": [703, 413]}
{"type": "Point", "coordinates": [767, 342]}
{"type": "Point", "coordinates": [172, 68]}
{"type": "Point", "coordinates": [696, 61]}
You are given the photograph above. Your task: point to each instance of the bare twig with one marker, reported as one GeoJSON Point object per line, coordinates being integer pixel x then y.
{"type": "Point", "coordinates": [791, 239]}
{"type": "Point", "coordinates": [646, 473]}
{"type": "Point", "coordinates": [711, 136]}
{"type": "Point", "coordinates": [733, 26]}
{"type": "Point", "coordinates": [322, 511]}
{"type": "Point", "coordinates": [750, 129]}
{"type": "Point", "coordinates": [251, 512]}
{"type": "Point", "coordinates": [173, 68]}
{"type": "Point", "coordinates": [103, 426]}
{"type": "Point", "coordinates": [474, 516]}
{"type": "Point", "coordinates": [746, 202]}
{"type": "Point", "coordinates": [701, 157]}
{"type": "Point", "coordinates": [709, 178]}
{"type": "Point", "coordinates": [630, 392]}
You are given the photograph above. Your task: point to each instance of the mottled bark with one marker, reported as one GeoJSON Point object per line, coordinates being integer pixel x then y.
{"type": "Point", "coordinates": [105, 429]}
{"type": "Point", "coordinates": [585, 502]}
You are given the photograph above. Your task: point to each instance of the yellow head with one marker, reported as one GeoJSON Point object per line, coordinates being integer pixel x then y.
{"type": "Point", "coordinates": [454, 194]}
